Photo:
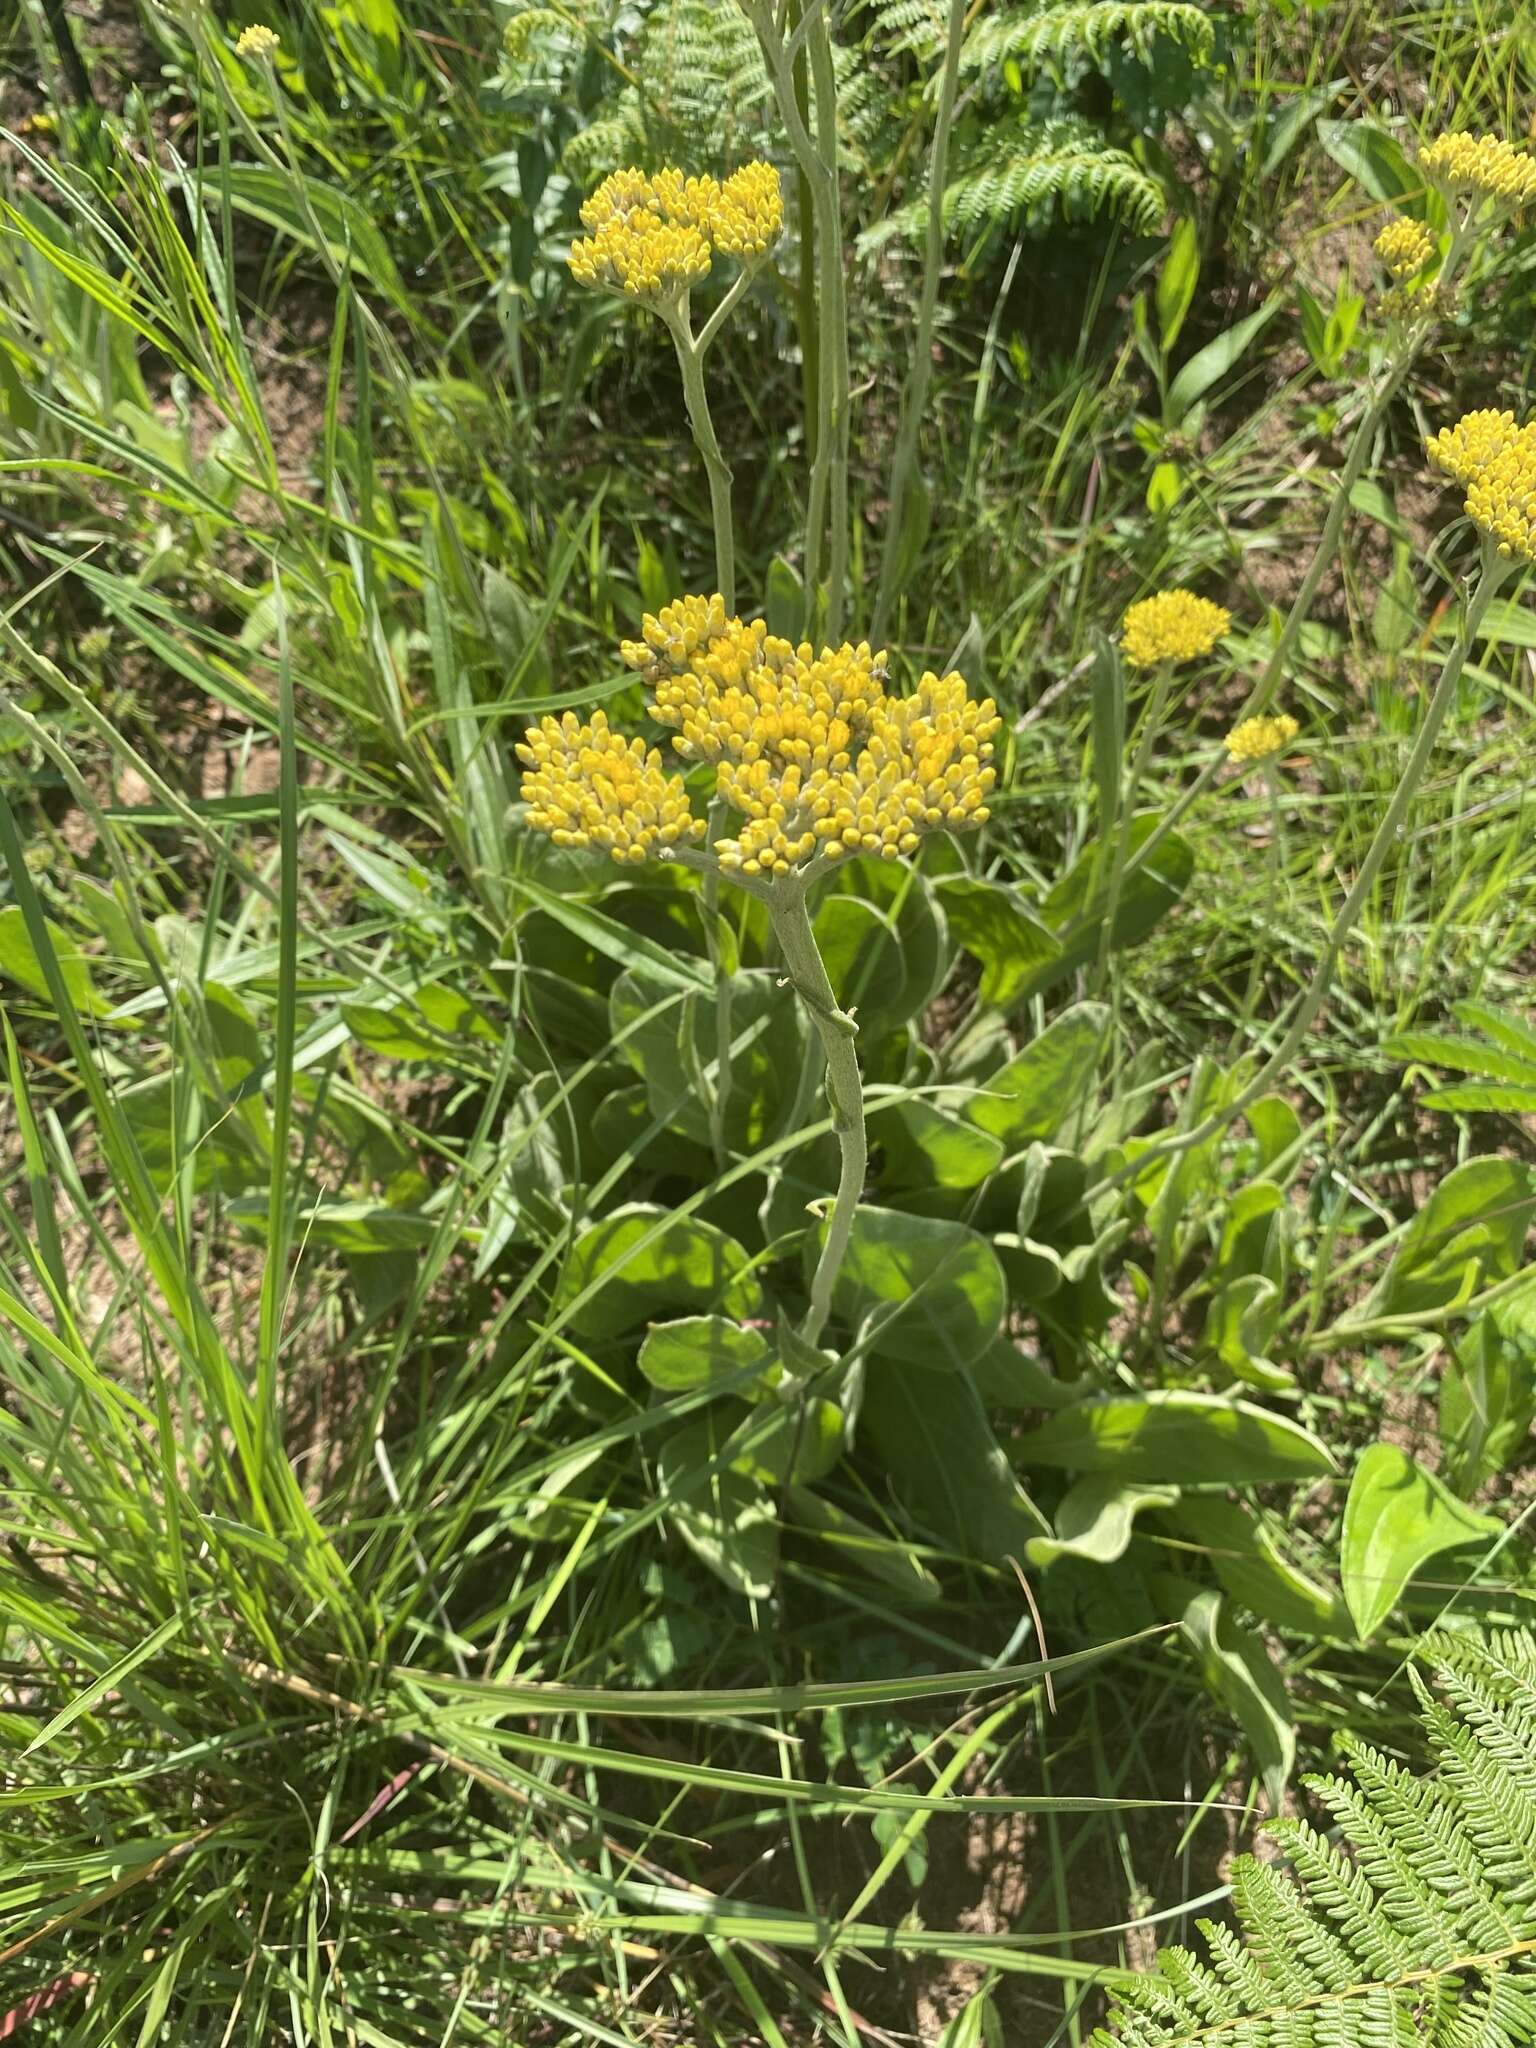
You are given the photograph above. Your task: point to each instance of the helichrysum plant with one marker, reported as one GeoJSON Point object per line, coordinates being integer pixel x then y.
{"type": "Point", "coordinates": [813, 761]}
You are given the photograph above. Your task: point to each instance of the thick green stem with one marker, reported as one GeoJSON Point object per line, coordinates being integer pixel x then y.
{"type": "Point", "coordinates": [690, 362]}
{"type": "Point", "coordinates": [1494, 570]}
{"type": "Point", "coordinates": [915, 396]}
{"type": "Point", "coordinates": [845, 1089]}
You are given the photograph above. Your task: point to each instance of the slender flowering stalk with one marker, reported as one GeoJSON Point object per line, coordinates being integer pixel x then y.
{"type": "Point", "coordinates": [1158, 633]}
{"type": "Point", "coordinates": [826, 521]}
{"type": "Point", "coordinates": [915, 395]}
{"type": "Point", "coordinates": [652, 239]}
{"type": "Point", "coordinates": [818, 763]}
{"type": "Point", "coordinates": [1494, 568]}
{"type": "Point", "coordinates": [1482, 178]}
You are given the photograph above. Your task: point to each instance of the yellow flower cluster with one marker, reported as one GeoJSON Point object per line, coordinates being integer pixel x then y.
{"type": "Point", "coordinates": [653, 237]}
{"type": "Point", "coordinates": [1484, 164]}
{"type": "Point", "coordinates": [1175, 625]}
{"type": "Point", "coordinates": [586, 785]}
{"type": "Point", "coordinates": [1404, 246]}
{"type": "Point", "coordinates": [1495, 461]}
{"type": "Point", "coordinates": [259, 41]}
{"type": "Point", "coordinates": [1255, 739]}
{"type": "Point", "coordinates": [806, 747]}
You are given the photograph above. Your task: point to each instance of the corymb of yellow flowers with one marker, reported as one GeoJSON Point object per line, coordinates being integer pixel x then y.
{"type": "Point", "coordinates": [1255, 739]}
{"type": "Point", "coordinates": [1494, 460]}
{"type": "Point", "coordinates": [1483, 165]}
{"type": "Point", "coordinates": [1175, 625]}
{"type": "Point", "coordinates": [653, 237]}
{"type": "Point", "coordinates": [809, 751]}
{"type": "Point", "coordinates": [258, 41]}
{"type": "Point", "coordinates": [1405, 247]}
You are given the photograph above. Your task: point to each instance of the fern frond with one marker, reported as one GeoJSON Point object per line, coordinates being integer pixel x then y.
{"type": "Point", "coordinates": [1033, 175]}
{"type": "Point", "coordinates": [1031, 36]}
{"type": "Point", "coordinates": [701, 96]}
{"type": "Point", "coordinates": [1417, 1929]}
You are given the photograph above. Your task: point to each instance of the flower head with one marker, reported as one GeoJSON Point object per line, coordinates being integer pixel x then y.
{"type": "Point", "coordinates": [588, 786]}
{"type": "Point", "coordinates": [1255, 739]}
{"type": "Point", "coordinates": [1404, 246]}
{"type": "Point", "coordinates": [1175, 625]}
{"type": "Point", "coordinates": [1486, 165]}
{"type": "Point", "coordinates": [806, 747]}
{"type": "Point", "coordinates": [1495, 461]}
{"type": "Point", "coordinates": [749, 216]}
{"type": "Point", "coordinates": [257, 42]}
{"type": "Point", "coordinates": [654, 236]}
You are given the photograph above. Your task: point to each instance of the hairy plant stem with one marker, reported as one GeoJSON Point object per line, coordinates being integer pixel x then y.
{"type": "Point", "coordinates": [690, 360]}
{"type": "Point", "coordinates": [826, 557]}
{"type": "Point", "coordinates": [1493, 572]}
{"type": "Point", "coordinates": [845, 1088]}
{"type": "Point", "coordinates": [720, 1093]}
{"type": "Point", "coordinates": [691, 352]}
{"type": "Point", "coordinates": [915, 395]}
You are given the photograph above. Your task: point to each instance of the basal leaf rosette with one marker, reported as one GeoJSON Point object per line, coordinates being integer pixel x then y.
{"type": "Point", "coordinates": [809, 751]}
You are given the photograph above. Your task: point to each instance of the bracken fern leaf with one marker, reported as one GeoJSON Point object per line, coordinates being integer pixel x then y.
{"type": "Point", "coordinates": [1418, 1928]}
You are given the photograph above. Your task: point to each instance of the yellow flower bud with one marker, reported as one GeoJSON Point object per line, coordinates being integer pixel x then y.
{"type": "Point", "coordinates": [257, 42]}
{"type": "Point", "coordinates": [1175, 625]}
{"type": "Point", "coordinates": [1255, 739]}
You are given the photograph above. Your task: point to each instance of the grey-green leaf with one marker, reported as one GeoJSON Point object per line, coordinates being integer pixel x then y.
{"type": "Point", "coordinates": [1396, 1517]}
{"type": "Point", "coordinates": [1181, 1438]}
{"type": "Point", "coordinates": [642, 1261]}
{"type": "Point", "coordinates": [931, 1433]}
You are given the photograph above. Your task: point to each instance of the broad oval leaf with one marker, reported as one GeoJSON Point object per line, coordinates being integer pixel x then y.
{"type": "Point", "coordinates": [931, 1290]}
{"type": "Point", "coordinates": [1250, 1565]}
{"type": "Point", "coordinates": [931, 1433]}
{"type": "Point", "coordinates": [1470, 1233]}
{"type": "Point", "coordinates": [1096, 1518]}
{"type": "Point", "coordinates": [697, 1351]}
{"type": "Point", "coordinates": [1035, 1093]}
{"type": "Point", "coordinates": [642, 1261]}
{"type": "Point", "coordinates": [1238, 1670]}
{"type": "Point", "coordinates": [1396, 1517]}
{"type": "Point", "coordinates": [994, 923]}
{"type": "Point", "coordinates": [1176, 1437]}
{"type": "Point", "coordinates": [724, 1517]}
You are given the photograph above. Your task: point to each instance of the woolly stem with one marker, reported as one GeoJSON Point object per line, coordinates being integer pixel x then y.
{"type": "Point", "coordinates": [915, 396]}
{"type": "Point", "coordinates": [817, 159]}
{"type": "Point", "coordinates": [845, 1089]}
{"type": "Point", "coordinates": [690, 361]}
